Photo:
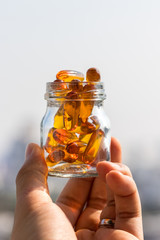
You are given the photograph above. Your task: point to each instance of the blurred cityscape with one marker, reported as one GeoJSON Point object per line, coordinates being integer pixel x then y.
{"type": "Point", "coordinates": [147, 179]}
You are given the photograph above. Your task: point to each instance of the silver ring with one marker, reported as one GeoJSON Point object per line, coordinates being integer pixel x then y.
{"type": "Point", "coordinates": [107, 223]}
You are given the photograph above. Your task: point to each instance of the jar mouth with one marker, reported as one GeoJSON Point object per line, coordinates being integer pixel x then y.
{"type": "Point", "coordinates": [75, 90]}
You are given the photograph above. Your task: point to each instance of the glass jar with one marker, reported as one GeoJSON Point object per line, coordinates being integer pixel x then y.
{"type": "Point", "coordinates": [75, 130]}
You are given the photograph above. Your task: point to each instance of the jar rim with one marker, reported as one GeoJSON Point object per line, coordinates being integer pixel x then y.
{"type": "Point", "coordinates": [91, 91]}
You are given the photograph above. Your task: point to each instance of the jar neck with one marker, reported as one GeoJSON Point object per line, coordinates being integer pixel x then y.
{"type": "Point", "coordinates": [68, 91]}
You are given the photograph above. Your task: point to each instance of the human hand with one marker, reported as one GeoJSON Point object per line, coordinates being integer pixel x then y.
{"type": "Point", "coordinates": [82, 203]}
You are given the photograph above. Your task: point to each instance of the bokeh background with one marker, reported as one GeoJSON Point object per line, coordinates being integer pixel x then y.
{"type": "Point", "coordinates": [121, 38]}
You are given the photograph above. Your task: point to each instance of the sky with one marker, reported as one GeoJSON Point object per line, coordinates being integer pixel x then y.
{"type": "Point", "coordinates": [121, 38]}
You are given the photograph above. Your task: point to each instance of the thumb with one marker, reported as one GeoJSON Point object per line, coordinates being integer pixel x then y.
{"type": "Point", "coordinates": [33, 174]}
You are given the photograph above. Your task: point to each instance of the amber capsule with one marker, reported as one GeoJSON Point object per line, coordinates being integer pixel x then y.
{"type": "Point", "coordinates": [91, 124]}
{"type": "Point", "coordinates": [89, 91]}
{"type": "Point", "coordinates": [71, 111]}
{"type": "Point", "coordinates": [87, 102]}
{"type": "Point", "coordinates": [93, 146]}
{"type": "Point", "coordinates": [50, 141]}
{"type": "Point", "coordinates": [69, 75]}
{"type": "Point", "coordinates": [94, 120]}
{"type": "Point", "coordinates": [69, 123]}
{"type": "Point", "coordinates": [63, 136]}
{"type": "Point", "coordinates": [86, 108]}
{"type": "Point", "coordinates": [49, 162]}
{"type": "Point", "coordinates": [70, 105]}
{"type": "Point", "coordinates": [85, 137]}
{"type": "Point", "coordinates": [58, 118]}
{"type": "Point", "coordinates": [70, 158]}
{"type": "Point", "coordinates": [76, 85]}
{"type": "Point", "coordinates": [56, 155]}
{"type": "Point", "coordinates": [59, 85]}
{"type": "Point", "coordinates": [76, 147]}
{"type": "Point", "coordinates": [93, 75]}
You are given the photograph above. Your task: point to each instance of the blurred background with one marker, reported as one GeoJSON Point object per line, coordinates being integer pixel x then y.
{"type": "Point", "coordinates": [121, 38]}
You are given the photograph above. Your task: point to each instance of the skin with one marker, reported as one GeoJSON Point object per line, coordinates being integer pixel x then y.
{"type": "Point", "coordinates": [81, 204]}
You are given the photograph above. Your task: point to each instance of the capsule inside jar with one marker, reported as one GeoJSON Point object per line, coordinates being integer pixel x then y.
{"type": "Point", "coordinates": [69, 75]}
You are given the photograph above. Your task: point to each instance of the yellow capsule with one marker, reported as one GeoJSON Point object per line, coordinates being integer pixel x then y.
{"type": "Point", "coordinates": [68, 123]}
{"type": "Point", "coordinates": [49, 162]}
{"type": "Point", "coordinates": [85, 109]}
{"type": "Point", "coordinates": [71, 111]}
{"type": "Point", "coordinates": [76, 85]}
{"type": "Point", "coordinates": [63, 136]}
{"type": "Point", "coordinates": [69, 75]}
{"type": "Point", "coordinates": [50, 141]}
{"type": "Point", "coordinates": [85, 137]}
{"type": "Point", "coordinates": [87, 102]}
{"type": "Point", "coordinates": [91, 124]}
{"type": "Point", "coordinates": [56, 155]}
{"type": "Point", "coordinates": [70, 158]}
{"type": "Point", "coordinates": [59, 85]}
{"type": "Point", "coordinates": [58, 118]}
{"type": "Point", "coordinates": [76, 147]}
{"type": "Point", "coordinates": [93, 146]}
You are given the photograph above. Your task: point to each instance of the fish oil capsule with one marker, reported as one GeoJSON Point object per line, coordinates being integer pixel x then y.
{"type": "Point", "coordinates": [85, 137]}
{"type": "Point", "coordinates": [69, 75]}
{"type": "Point", "coordinates": [93, 75]}
{"type": "Point", "coordinates": [91, 124]}
{"type": "Point", "coordinates": [93, 146]}
{"type": "Point", "coordinates": [68, 122]}
{"type": "Point", "coordinates": [87, 102]}
{"type": "Point", "coordinates": [86, 108]}
{"type": "Point", "coordinates": [50, 141]}
{"type": "Point", "coordinates": [70, 106]}
{"type": "Point", "coordinates": [58, 118]}
{"type": "Point", "coordinates": [56, 155]}
{"type": "Point", "coordinates": [76, 147]}
{"type": "Point", "coordinates": [63, 136]}
{"type": "Point", "coordinates": [71, 111]}
{"type": "Point", "coordinates": [76, 85]}
{"type": "Point", "coordinates": [69, 160]}
{"type": "Point", "coordinates": [59, 85]}
{"type": "Point", "coordinates": [70, 157]}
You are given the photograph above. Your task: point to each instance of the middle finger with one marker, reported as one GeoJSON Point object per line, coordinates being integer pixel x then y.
{"type": "Point", "coordinates": [90, 217]}
{"type": "Point", "coordinates": [74, 196]}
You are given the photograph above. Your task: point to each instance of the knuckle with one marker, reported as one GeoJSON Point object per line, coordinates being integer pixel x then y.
{"type": "Point", "coordinates": [97, 203]}
{"type": "Point", "coordinates": [128, 215]}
